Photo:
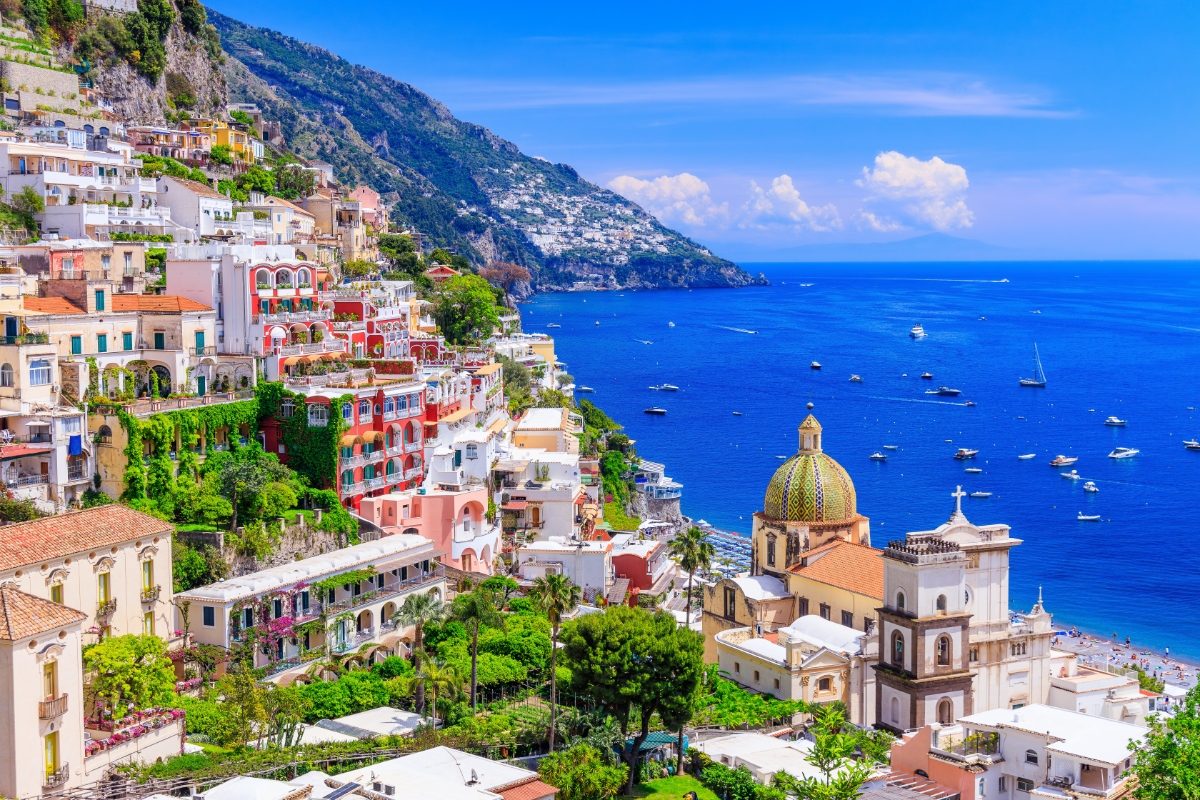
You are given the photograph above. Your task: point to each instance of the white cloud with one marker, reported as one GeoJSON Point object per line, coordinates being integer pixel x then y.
{"type": "Point", "coordinates": [682, 198]}
{"type": "Point", "coordinates": [781, 203]}
{"type": "Point", "coordinates": [927, 193]}
{"type": "Point", "coordinates": [878, 223]}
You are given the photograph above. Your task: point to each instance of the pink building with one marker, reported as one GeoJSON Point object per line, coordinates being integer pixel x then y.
{"type": "Point", "coordinates": [455, 520]}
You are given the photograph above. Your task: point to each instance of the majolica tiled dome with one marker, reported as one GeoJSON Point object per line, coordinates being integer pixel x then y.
{"type": "Point", "coordinates": [810, 486]}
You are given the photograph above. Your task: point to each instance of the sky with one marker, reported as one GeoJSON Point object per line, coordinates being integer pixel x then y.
{"type": "Point", "coordinates": [1064, 130]}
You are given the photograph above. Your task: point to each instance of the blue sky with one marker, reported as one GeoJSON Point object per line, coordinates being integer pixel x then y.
{"type": "Point", "coordinates": [1058, 129]}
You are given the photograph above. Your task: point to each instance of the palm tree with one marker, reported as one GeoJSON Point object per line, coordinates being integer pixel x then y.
{"type": "Point", "coordinates": [441, 680]}
{"type": "Point", "coordinates": [556, 596]}
{"type": "Point", "coordinates": [419, 610]}
{"type": "Point", "coordinates": [693, 550]}
{"type": "Point", "coordinates": [475, 610]}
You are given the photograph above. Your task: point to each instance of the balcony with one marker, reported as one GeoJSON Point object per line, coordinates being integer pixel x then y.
{"type": "Point", "coordinates": [975, 748]}
{"type": "Point", "coordinates": [151, 594]}
{"type": "Point", "coordinates": [52, 708]}
{"type": "Point", "coordinates": [26, 338]}
{"type": "Point", "coordinates": [106, 608]}
{"type": "Point", "coordinates": [388, 592]}
{"type": "Point", "coordinates": [58, 778]}
{"type": "Point", "coordinates": [411, 474]}
{"type": "Point", "coordinates": [292, 316]}
{"type": "Point", "coordinates": [353, 642]}
{"type": "Point", "coordinates": [373, 483]}
{"type": "Point", "coordinates": [412, 447]}
{"type": "Point", "coordinates": [352, 488]}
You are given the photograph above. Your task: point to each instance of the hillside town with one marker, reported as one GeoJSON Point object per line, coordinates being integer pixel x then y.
{"type": "Point", "coordinates": [293, 508]}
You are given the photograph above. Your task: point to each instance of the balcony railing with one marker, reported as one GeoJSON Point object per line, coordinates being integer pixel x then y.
{"type": "Point", "coordinates": [53, 708]}
{"type": "Point", "coordinates": [57, 778]}
{"type": "Point", "coordinates": [26, 338]}
{"type": "Point", "coordinates": [151, 594]}
{"type": "Point", "coordinates": [386, 593]}
{"type": "Point", "coordinates": [26, 480]}
{"type": "Point", "coordinates": [106, 608]}
{"type": "Point", "coordinates": [293, 316]}
{"type": "Point", "coordinates": [415, 472]}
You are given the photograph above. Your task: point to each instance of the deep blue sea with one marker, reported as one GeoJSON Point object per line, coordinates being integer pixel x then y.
{"type": "Point", "coordinates": [1115, 338]}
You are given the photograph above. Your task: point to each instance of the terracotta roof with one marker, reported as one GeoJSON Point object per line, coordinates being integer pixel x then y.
{"type": "Point", "coordinates": [202, 189]}
{"type": "Point", "coordinates": [272, 200]}
{"type": "Point", "coordinates": [23, 615]}
{"type": "Point", "coordinates": [75, 532]}
{"type": "Point", "coordinates": [441, 269]}
{"type": "Point", "coordinates": [51, 305]}
{"type": "Point", "coordinates": [846, 565]}
{"type": "Point", "coordinates": [533, 789]}
{"type": "Point", "coordinates": [170, 303]}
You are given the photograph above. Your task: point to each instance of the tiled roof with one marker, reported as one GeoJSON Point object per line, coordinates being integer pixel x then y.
{"type": "Point", "coordinates": [156, 302]}
{"type": "Point", "coordinates": [532, 789]}
{"type": "Point", "coordinates": [846, 565]}
{"type": "Point", "coordinates": [51, 305]}
{"type": "Point", "coordinates": [74, 532]}
{"type": "Point", "coordinates": [23, 615]}
{"type": "Point", "coordinates": [202, 189]}
{"type": "Point", "coordinates": [272, 200]}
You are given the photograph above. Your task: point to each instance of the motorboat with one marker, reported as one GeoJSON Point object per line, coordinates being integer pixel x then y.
{"type": "Point", "coordinates": [1191, 444]}
{"type": "Point", "coordinates": [965, 452]}
{"type": "Point", "coordinates": [981, 494]}
{"type": "Point", "coordinates": [973, 470]}
{"type": "Point", "coordinates": [654, 388]}
{"type": "Point", "coordinates": [737, 413]}
{"type": "Point", "coordinates": [945, 391]}
{"type": "Point", "coordinates": [670, 324]}
{"type": "Point", "coordinates": [877, 456]}
{"type": "Point", "coordinates": [1027, 456]}
{"type": "Point", "coordinates": [553, 325]}
{"type": "Point", "coordinates": [891, 447]}
{"type": "Point", "coordinates": [1063, 461]}
{"type": "Point", "coordinates": [926, 376]}
{"type": "Point", "coordinates": [856, 378]}
{"type": "Point", "coordinates": [815, 365]}
{"type": "Point", "coordinates": [656, 411]}
{"type": "Point", "coordinates": [1082, 517]}
{"type": "Point", "coordinates": [1071, 475]}
{"type": "Point", "coordinates": [1038, 381]}
{"type": "Point", "coordinates": [669, 387]}
{"type": "Point", "coordinates": [1116, 422]}
{"type": "Point", "coordinates": [1124, 452]}
{"type": "Point", "coordinates": [1091, 486]}
{"type": "Point", "coordinates": [970, 404]}
{"type": "Point", "coordinates": [916, 331]}
{"type": "Point", "coordinates": [597, 322]}
{"type": "Point", "coordinates": [584, 390]}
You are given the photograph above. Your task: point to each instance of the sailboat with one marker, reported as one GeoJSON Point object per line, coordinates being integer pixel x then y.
{"type": "Point", "coordinates": [1038, 381]}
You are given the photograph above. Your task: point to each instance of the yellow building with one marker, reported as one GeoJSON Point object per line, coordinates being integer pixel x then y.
{"type": "Point", "coordinates": [234, 136]}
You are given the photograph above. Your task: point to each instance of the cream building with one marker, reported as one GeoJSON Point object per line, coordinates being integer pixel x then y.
{"type": "Point", "coordinates": [553, 429]}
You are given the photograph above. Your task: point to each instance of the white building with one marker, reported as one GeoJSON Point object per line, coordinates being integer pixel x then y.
{"type": "Point", "coordinates": [540, 492]}
{"type": "Point", "coordinates": [588, 564]}
{"type": "Point", "coordinates": [196, 206]}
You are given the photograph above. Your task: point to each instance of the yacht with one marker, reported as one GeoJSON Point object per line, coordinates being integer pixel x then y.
{"type": "Point", "coordinates": [737, 413]}
{"type": "Point", "coordinates": [1038, 381]}
{"type": "Point", "coordinates": [654, 388]}
{"type": "Point", "coordinates": [981, 494]}
{"type": "Point", "coordinates": [670, 324]}
{"type": "Point", "coordinates": [1191, 444]}
{"type": "Point", "coordinates": [656, 411]}
{"type": "Point", "coordinates": [965, 452]}
{"type": "Point", "coordinates": [815, 365]}
{"type": "Point", "coordinates": [1116, 422]}
{"type": "Point", "coordinates": [877, 456]}
{"type": "Point", "coordinates": [1071, 475]}
{"type": "Point", "coordinates": [584, 390]}
{"type": "Point", "coordinates": [926, 376]}
{"type": "Point", "coordinates": [1091, 486]}
{"type": "Point", "coordinates": [973, 470]}
{"type": "Point", "coordinates": [944, 391]}
{"type": "Point", "coordinates": [553, 325]}
{"type": "Point", "coordinates": [856, 378]}
{"type": "Point", "coordinates": [1082, 517]}
{"type": "Point", "coordinates": [1027, 456]}
{"type": "Point", "coordinates": [669, 387]}
{"type": "Point", "coordinates": [597, 322]}
{"type": "Point", "coordinates": [1063, 461]}
{"type": "Point", "coordinates": [891, 447]}
{"type": "Point", "coordinates": [970, 404]}
{"type": "Point", "coordinates": [916, 331]}
{"type": "Point", "coordinates": [1124, 452]}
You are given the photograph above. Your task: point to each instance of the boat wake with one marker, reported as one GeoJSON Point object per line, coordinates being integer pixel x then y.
{"type": "Point", "coordinates": [916, 400]}
{"type": "Point", "coordinates": [736, 330]}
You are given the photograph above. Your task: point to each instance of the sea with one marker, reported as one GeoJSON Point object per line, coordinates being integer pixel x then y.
{"type": "Point", "coordinates": [1115, 338]}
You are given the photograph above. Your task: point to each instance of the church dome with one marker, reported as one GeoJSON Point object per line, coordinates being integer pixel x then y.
{"type": "Point", "coordinates": [810, 486]}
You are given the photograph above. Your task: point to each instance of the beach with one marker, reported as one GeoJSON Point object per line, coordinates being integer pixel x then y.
{"type": "Point", "coordinates": [1101, 652]}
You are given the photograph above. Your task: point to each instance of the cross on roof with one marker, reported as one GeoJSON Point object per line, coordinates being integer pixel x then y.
{"type": "Point", "coordinates": [958, 496]}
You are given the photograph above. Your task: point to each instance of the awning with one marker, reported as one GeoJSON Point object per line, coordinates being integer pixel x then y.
{"type": "Point", "coordinates": [351, 439]}
{"type": "Point", "coordinates": [292, 361]}
{"type": "Point", "coordinates": [511, 466]}
{"type": "Point", "coordinates": [515, 505]}
{"type": "Point", "coordinates": [375, 436]}
{"type": "Point", "coordinates": [455, 416]}
{"type": "Point", "coordinates": [11, 451]}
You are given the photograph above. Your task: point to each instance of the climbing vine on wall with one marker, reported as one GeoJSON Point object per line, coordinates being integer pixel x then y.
{"type": "Point", "coordinates": [312, 450]}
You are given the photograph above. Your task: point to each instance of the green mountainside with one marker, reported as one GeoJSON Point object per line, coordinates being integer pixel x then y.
{"type": "Point", "coordinates": [459, 184]}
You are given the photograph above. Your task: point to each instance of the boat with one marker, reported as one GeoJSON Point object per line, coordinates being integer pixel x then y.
{"type": "Point", "coordinates": [970, 404]}
{"type": "Point", "coordinates": [891, 447]}
{"type": "Point", "coordinates": [856, 378]}
{"type": "Point", "coordinates": [644, 341]}
{"type": "Point", "coordinates": [737, 413]}
{"type": "Point", "coordinates": [916, 331]}
{"type": "Point", "coordinates": [1116, 422]}
{"type": "Point", "coordinates": [1191, 444]}
{"type": "Point", "coordinates": [1038, 381]}
{"type": "Point", "coordinates": [945, 391]}
{"type": "Point", "coordinates": [807, 285]}
{"type": "Point", "coordinates": [973, 470]}
{"type": "Point", "coordinates": [1026, 456]}
{"type": "Point", "coordinates": [669, 387]}
{"type": "Point", "coordinates": [965, 452]}
{"type": "Point", "coordinates": [1071, 475]}
{"type": "Point", "coordinates": [1124, 452]}
{"type": "Point", "coordinates": [655, 410]}
{"type": "Point", "coordinates": [553, 325]}
{"type": "Point", "coordinates": [926, 376]}
{"type": "Point", "coordinates": [1063, 461]}
{"type": "Point", "coordinates": [654, 388]}
{"type": "Point", "coordinates": [597, 322]}
{"type": "Point", "coordinates": [670, 324]}
{"type": "Point", "coordinates": [815, 365]}
{"type": "Point", "coordinates": [877, 456]}
{"type": "Point", "coordinates": [1091, 486]}
{"type": "Point", "coordinates": [584, 390]}
{"type": "Point", "coordinates": [981, 494]}
{"type": "Point", "coordinates": [1082, 517]}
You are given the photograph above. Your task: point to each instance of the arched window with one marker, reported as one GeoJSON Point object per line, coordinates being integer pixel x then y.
{"type": "Point", "coordinates": [389, 405]}
{"type": "Point", "coordinates": [943, 651]}
{"type": "Point", "coordinates": [318, 414]}
{"type": "Point", "coordinates": [941, 602]}
{"type": "Point", "coordinates": [1031, 757]}
{"type": "Point", "coordinates": [104, 435]}
{"type": "Point", "coordinates": [39, 372]}
{"type": "Point", "coordinates": [770, 551]}
{"type": "Point", "coordinates": [348, 412]}
{"type": "Point", "coordinates": [364, 408]}
{"type": "Point", "coordinates": [899, 601]}
{"type": "Point", "coordinates": [6, 376]}
{"type": "Point", "coordinates": [897, 649]}
{"type": "Point", "coordinates": [825, 684]}
{"type": "Point", "coordinates": [945, 711]}
{"type": "Point", "coordinates": [348, 478]}
{"type": "Point", "coordinates": [895, 711]}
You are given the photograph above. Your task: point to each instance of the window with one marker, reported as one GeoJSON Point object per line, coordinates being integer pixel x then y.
{"type": "Point", "coordinates": [897, 649]}
{"type": "Point", "coordinates": [730, 603]}
{"type": "Point", "coordinates": [71, 425]}
{"type": "Point", "coordinates": [148, 574]}
{"type": "Point", "coordinates": [1017, 648]}
{"type": "Point", "coordinates": [848, 619]}
{"type": "Point", "coordinates": [76, 345]}
{"type": "Point", "coordinates": [128, 263]}
{"type": "Point", "coordinates": [287, 409]}
{"type": "Point", "coordinates": [1003, 784]}
{"type": "Point", "coordinates": [6, 376]}
{"type": "Point", "coordinates": [945, 711]}
{"type": "Point", "coordinates": [99, 299]}
{"type": "Point", "coordinates": [943, 651]}
{"type": "Point", "coordinates": [277, 608]}
{"type": "Point", "coordinates": [208, 616]}
{"type": "Point", "coordinates": [318, 415]}
{"type": "Point", "coordinates": [770, 551]}
{"type": "Point", "coordinates": [50, 680]}
{"type": "Point", "coordinates": [101, 342]}
{"type": "Point", "coordinates": [126, 340]}
{"type": "Point", "coordinates": [364, 408]}
{"type": "Point", "coordinates": [105, 262]}
{"type": "Point", "coordinates": [39, 372]}
{"type": "Point", "coordinates": [737, 668]}
{"type": "Point", "coordinates": [974, 654]}
{"type": "Point", "coordinates": [825, 610]}
{"type": "Point", "coordinates": [348, 412]}
{"type": "Point", "coordinates": [56, 593]}
{"type": "Point", "coordinates": [50, 747]}
{"type": "Point", "coordinates": [941, 602]}
{"type": "Point", "coordinates": [103, 587]}
{"type": "Point", "coordinates": [777, 683]}
{"type": "Point", "coordinates": [804, 606]}
{"type": "Point", "coordinates": [756, 676]}
{"type": "Point", "coordinates": [1031, 757]}
{"type": "Point", "coordinates": [247, 617]}
{"type": "Point", "coordinates": [1024, 785]}
{"type": "Point", "coordinates": [825, 685]}
{"type": "Point", "coordinates": [899, 601]}
{"type": "Point", "coordinates": [148, 623]}
{"type": "Point", "coordinates": [389, 405]}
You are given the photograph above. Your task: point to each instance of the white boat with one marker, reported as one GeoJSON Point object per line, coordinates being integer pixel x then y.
{"type": "Point", "coordinates": [856, 378]}
{"type": "Point", "coordinates": [1091, 486]}
{"type": "Point", "coordinates": [916, 331]}
{"type": "Point", "coordinates": [654, 388]}
{"type": "Point", "coordinates": [655, 410]}
{"type": "Point", "coordinates": [737, 413]}
{"type": "Point", "coordinates": [1124, 452]}
{"type": "Point", "coordinates": [553, 325]}
{"type": "Point", "coordinates": [1116, 422]}
{"type": "Point", "coordinates": [1063, 461]}
{"type": "Point", "coordinates": [891, 447]}
{"type": "Point", "coordinates": [1191, 444]}
{"type": "Point", "coordinates": [1038, 381]}
{"type": "Point", "coordinates": [584, 390]}
{"type": "Point", "coordinates": [815, 365]}
{"type": "Point", "coordinates": [927, 376]}
{"type": "Point", "coordinates": [670, 324]}
{"type": "Point", "coordinates": [965, 453]}
{"type": "Point", "coordinates": [877, 456]}
{"type": "Point", "coordinates": [597, 322]}
{"type": "Point", "coordinates": [1071, 475]}
{"type": "Point", "coordinates": [973, 470]}
{"type": "Point", "coordinates": [807, 285]}
{"type": "Point", "coordinates": [981, 494]}
{"type": "Point", "coordinates": [1027, 456]}
{"type": "Point", "coordinates": [669, 387]}
{"type": "Point", "coordinates": [1082, 517]}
